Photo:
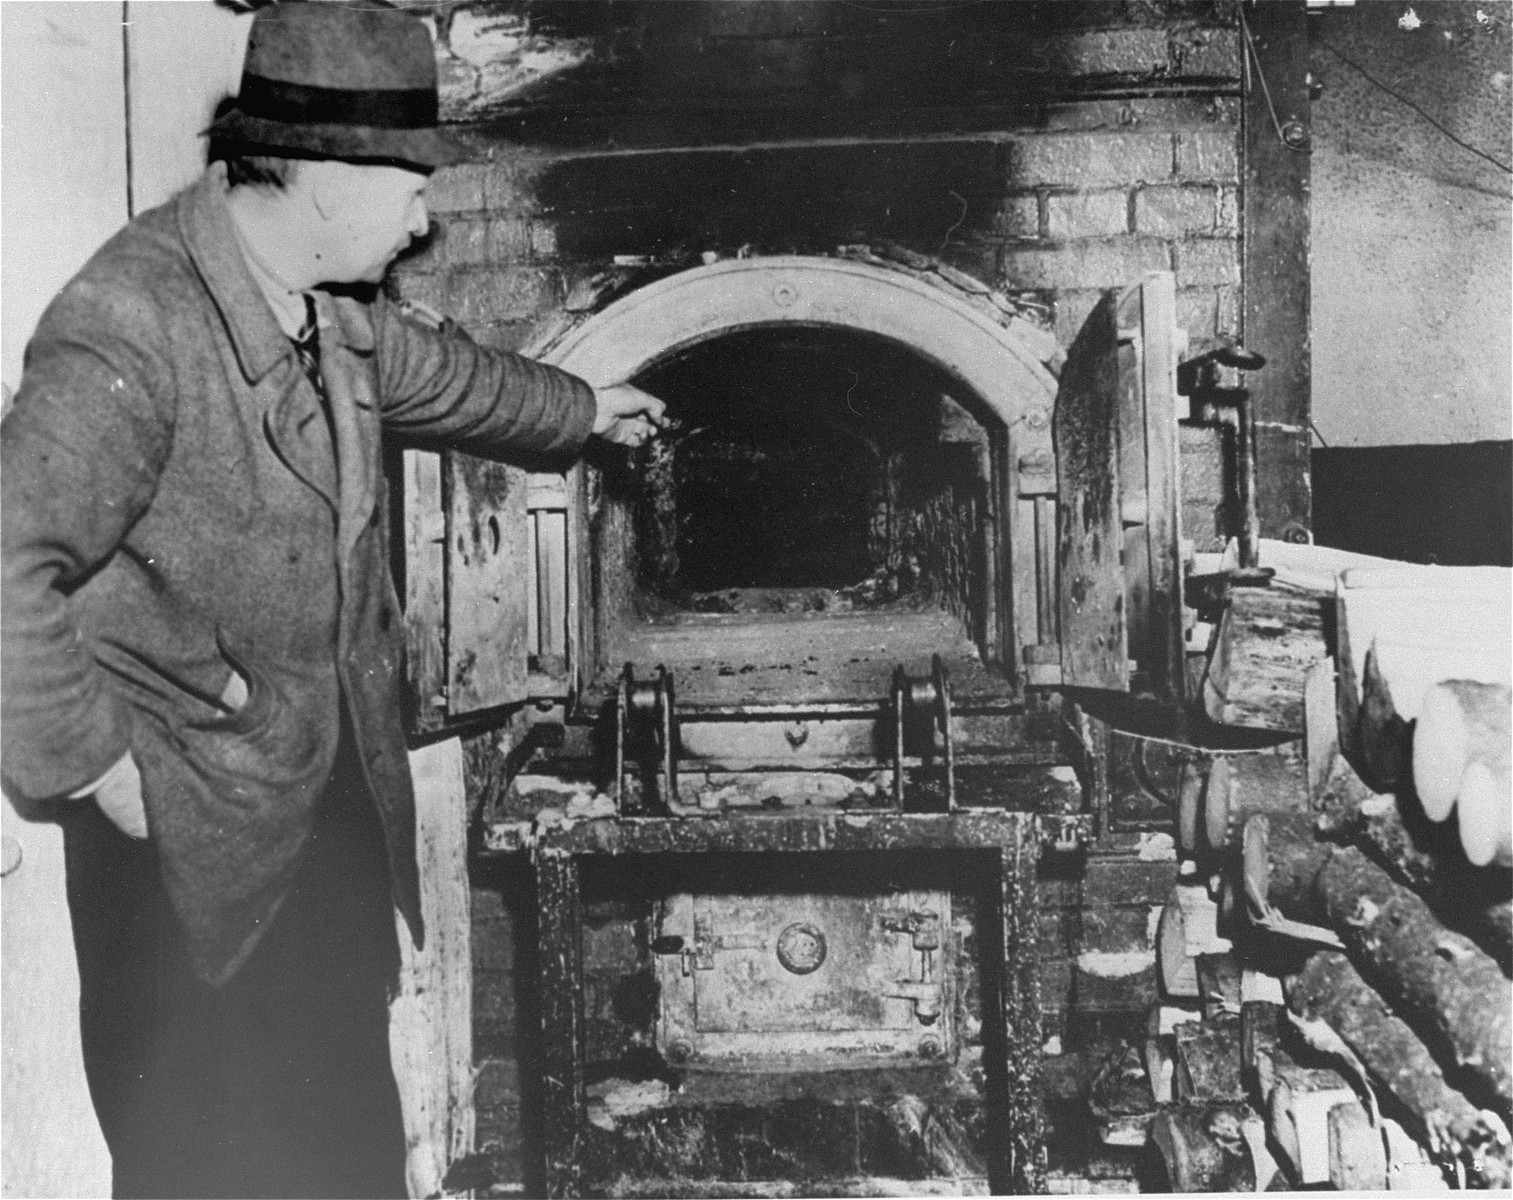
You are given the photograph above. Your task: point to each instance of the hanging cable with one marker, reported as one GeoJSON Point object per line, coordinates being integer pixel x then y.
{"type": "Point", "coordinates": [1255, 59]}
{"type": "Point", "coordinates": [1401, 99]}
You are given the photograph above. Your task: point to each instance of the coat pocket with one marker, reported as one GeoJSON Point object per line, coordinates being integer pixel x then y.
{"type": "Point", "coordinates": [282, 737]}
{"type": "Point", "coordinates": [281, 740]}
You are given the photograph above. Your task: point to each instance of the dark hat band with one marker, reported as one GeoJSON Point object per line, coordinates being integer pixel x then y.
{"type": "Point", "coordinates": [303, 104]}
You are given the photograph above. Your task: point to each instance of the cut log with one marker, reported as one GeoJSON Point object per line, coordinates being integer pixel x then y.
{"type": "Point", "coordinates": [1460, 722]}
{"type": "Point", "coordinates": [1241, 785]}
{"type": "Point", "coordinates": [1486, 830]}
{"type": "Point", "coordinates": [1329, 989]}
{"type": "Point", "coordinates": [1208, 1060]}
{"type": "Point", "coordinates": [1437, 979]}
{"type": "Point", "coordinates": [1476, 901]}
{"type": "Point", "coordinates": [1121, 1102]}
{"type": "Point", "coordinates": [1465, 728]}
{"type": "Point", "coordinates": [1321, 737]}
{"type": "Point", "coordinates": [1190, 806]}
{"type": "Point", "coordinates": [1381, 732]}
{"type": "Point", "coordinates": [1160, 1052]}
{"type": "Point", "coordinates": [1188, 927]}
{"type": "Point", "coordinates": [1268, 638]}
{"type": "Point", "coordinates": [1176, 968]}
{"type": "Point", "coordinates": [1205, 1150]}
{"type": "Point", "coordinates": [1279, 861]}
{"type": "Point", "coordinates": [1219, 978]}
{"type": "Point", "coordinates": [1260, 1030]}
{"type": "Point", "coordinates": [1462, 745]}
{"type": "Point", "coordinates": [1258, 985]}
{"type": "Point", "coordinates": [1410, 1169]}
{"type": "Point", "coordinates": [1200, 920]}
{"type": "Point", "coordinates": [1357, 1153]}
{"type": "Point", "coordinates": [1420, 625]}
{"type": "Point", "coordinates": [1298, 1102]}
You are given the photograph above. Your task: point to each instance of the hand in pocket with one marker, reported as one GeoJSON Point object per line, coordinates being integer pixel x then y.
{"type": "Point", "coordinates": [119, 795]}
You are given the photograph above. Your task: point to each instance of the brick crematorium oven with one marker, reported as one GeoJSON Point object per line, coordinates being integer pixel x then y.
{"type": "Point", "coordinates": [854, 803]}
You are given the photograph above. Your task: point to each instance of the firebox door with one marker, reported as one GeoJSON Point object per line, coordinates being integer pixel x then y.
{"type": "Point", "coordinates": [754, 982]}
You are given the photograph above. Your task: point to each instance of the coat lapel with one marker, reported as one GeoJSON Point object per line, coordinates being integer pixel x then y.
{"type": "Point", "coordinates": [293, 422]}
{"type": "Point", "coordinates": [347, 370]}
{"type": "Point", "coordinates": [297, 430]}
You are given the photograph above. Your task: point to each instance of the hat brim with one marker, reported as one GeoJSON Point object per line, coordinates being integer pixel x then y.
{"type": "Point", "coordinates": [425, 148]}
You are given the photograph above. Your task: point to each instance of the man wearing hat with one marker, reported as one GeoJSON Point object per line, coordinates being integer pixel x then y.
{"type": "Point", "coordinates": [200, 631]}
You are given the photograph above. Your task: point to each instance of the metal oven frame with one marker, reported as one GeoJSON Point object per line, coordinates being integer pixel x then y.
{"type": "Point", "coordinates": [1011, 839]}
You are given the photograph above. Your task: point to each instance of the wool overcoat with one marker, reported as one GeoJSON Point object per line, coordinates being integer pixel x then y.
{"type": "Point", "coordinates": [177, 507]}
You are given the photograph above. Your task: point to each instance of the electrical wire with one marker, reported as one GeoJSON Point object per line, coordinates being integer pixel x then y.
{"type": "Point", "coordinates": [1401, 99]}
{"type": "Point", "coordinates": [956, 224]}
{"type": "Point", "coordinates": [1276, 124]}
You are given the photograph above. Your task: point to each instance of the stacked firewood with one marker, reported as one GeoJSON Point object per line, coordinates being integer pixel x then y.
{"type": "Point", "coordinates": [1335, 961]}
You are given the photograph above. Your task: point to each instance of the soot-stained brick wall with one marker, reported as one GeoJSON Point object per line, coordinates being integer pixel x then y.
{"type": "Point", "coordinates": [1050, 151]}
{"type": "Point", "coordinates": [1054, 149]}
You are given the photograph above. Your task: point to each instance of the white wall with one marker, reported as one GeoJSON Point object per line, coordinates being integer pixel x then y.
{"type": "Point", "coordinates": [1412, 324]}
{"type": "Point", "coordinates": [62, 153]}
{"type": "Point", "coordinates": [185, 55]}
{"type": "Point", "coordinates": [63, 149]}
{"type": "Point", "coordinates": [62, 192]}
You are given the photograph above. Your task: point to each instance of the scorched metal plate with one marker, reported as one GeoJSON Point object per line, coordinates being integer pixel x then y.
{"type": "Point", "coordinates": [840, 980]}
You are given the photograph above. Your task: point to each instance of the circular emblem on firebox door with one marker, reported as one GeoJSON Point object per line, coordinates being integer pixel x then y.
{"type": "Point", "coordinates": [801, 948]}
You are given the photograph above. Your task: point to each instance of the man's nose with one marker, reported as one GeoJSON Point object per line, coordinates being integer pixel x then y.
{"type": "Point", "coordinates": [420, 220]}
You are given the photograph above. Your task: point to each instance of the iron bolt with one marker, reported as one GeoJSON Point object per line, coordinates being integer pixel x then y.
{"type": "Point", "coordinates": [929, 1047]}
{"type": "Point", "coordinates": [1294, 134]}
{"type": "Point", "coordinates": [1296, 534]}
{"type": "Point", "coordinates": [679, 1051]}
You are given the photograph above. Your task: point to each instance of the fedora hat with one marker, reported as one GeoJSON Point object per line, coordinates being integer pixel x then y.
{"type": "Point", "coordinates": [327, 79]}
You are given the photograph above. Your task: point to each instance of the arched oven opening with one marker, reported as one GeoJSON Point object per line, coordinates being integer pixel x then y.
{"type": "Point", "coordinates": [809, 473]}
{"type": "Point", "coordinates": [857, 476]}
{"type": "Point", "coordinates": [823, 505]}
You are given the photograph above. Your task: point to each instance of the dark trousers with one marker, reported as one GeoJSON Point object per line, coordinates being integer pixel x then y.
{"type": "Point", "coordinates": [278, 1083]}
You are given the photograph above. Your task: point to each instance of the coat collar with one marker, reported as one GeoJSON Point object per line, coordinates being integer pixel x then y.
{"type": "Point", "coordinates": [211, 239]}
{"type": "Point", "coordinates": [210, 236]}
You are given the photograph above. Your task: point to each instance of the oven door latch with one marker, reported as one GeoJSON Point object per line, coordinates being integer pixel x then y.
{"type": "Point", "coordinates": [927, 702]}
{"type": "Point", "coordinates": [924, 933]}
{"type": "Point", "coordinates": [651, 703]}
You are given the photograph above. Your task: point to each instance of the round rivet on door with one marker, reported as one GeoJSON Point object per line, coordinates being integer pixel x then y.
{"type": "Point", "coordinates": [10, 854]}
{"type": "Point", "coordinates": [801, 948]}
{"type": "Point", "coordinates": [929, 1047]}
{"type": "Point", "coordinates": [679, 1051]}
{"type": "Point", "coordinates": [785, 295]}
